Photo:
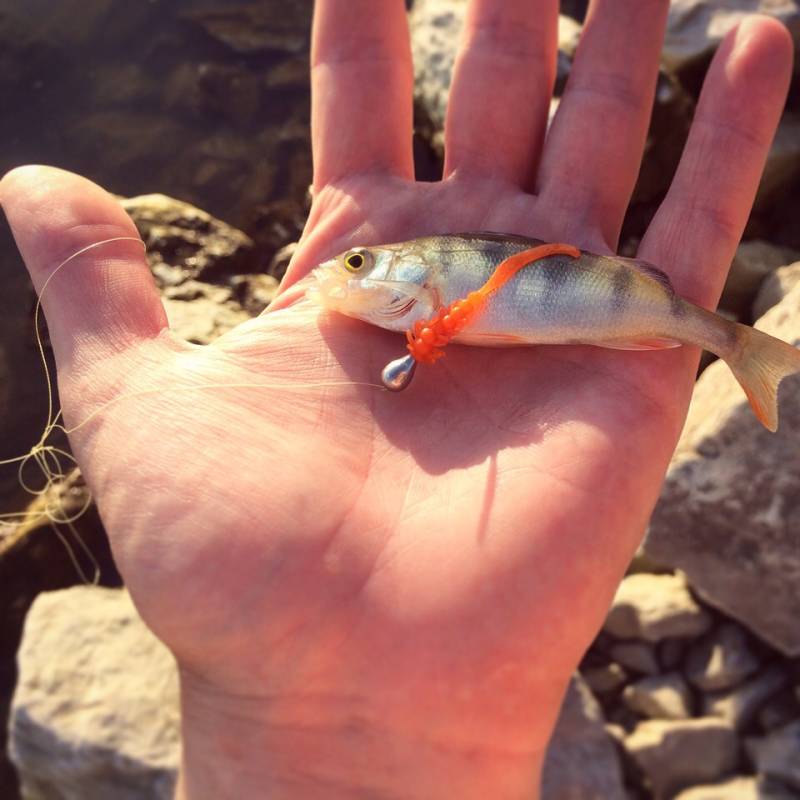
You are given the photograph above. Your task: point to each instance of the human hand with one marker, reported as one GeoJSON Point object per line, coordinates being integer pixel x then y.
{"type": "Point", "coordinates": [372, 594]}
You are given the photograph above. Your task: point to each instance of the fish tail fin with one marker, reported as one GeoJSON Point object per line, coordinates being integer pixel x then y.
{"type": "Point", "coordinates": [760, 363]}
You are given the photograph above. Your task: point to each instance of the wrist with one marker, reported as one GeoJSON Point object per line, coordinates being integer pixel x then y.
{"type": "Point", "coordinates": [237, 748]}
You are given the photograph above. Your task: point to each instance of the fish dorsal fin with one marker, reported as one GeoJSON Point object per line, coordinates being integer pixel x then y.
{"type": "Point", "coordinates": [652, 272]}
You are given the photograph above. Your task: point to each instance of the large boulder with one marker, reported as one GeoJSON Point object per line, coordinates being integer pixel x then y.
{"type": "Point", "coordinates": [203, 267]}
{"type": "Point", "coordinates": [95, 713]}
{"type": "Point", "coordinates": [729, 512]}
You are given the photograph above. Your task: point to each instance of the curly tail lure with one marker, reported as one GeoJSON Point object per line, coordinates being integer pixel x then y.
{"type": "Point", "coordinates": [427, 338]}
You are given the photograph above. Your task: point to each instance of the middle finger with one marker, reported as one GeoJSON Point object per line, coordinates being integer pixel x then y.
{"type": "Point", "coordinates": [594, 148]}
{"type": "Point", "coordinates": [502, 82]}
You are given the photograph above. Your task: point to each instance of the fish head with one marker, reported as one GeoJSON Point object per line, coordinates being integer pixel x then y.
{"type": "Point", "coordinates": [384, 286]}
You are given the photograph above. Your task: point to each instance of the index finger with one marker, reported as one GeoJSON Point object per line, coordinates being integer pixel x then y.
{"type": "Point", "coordinates": [361, 90]}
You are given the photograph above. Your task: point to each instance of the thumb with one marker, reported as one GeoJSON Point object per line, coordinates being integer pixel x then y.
{"type": "Point", "coordinates": [104, 300]}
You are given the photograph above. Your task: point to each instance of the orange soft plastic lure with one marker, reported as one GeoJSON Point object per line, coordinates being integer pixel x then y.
{"type": "Point", "coordinates": [427, 338]}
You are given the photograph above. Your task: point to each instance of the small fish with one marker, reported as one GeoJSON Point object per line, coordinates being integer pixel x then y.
{"type": "Point", "coordinates": [606, 301]}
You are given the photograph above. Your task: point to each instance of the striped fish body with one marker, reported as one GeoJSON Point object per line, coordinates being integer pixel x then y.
{"type": "Point", "coordinates": [605, 301]}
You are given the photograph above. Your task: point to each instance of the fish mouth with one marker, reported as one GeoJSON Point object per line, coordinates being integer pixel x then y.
{"type": "Point", "coordinates": [328, 287]}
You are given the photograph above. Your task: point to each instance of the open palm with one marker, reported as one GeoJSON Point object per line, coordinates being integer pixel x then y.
{"type": "Point", "coordinates": [367, 591]}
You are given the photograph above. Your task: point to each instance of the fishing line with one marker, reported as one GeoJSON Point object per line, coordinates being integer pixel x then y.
{"type": "Point", "coordinates": [55, 464]}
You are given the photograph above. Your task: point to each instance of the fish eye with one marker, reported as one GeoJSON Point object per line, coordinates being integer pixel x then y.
{"type": "Point", "coordinates": [356, 260]}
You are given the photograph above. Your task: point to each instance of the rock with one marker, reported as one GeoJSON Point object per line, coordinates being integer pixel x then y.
{"type": "Point", "coordinates": [640, 561]}
{"type": "Point", "coordinates": [753, 262]}
{"type": "Point", "coordinates": [256, 28]}
{"type": "Point", "coordinates": [100, 720]}
{"type": "Point", "coordinates": [435, 27]}
{"type": "Point", "coordinates": [777, 756]}
{"type": "Point", "coordinates": [606, 678]}
{"type": "Point", "coordinates": [254, 292]}
{"type": "Point", "coordinates": [224, 90]}
{"type": "Point", "coordinates": [636, 656]}
{"type": "Point", "coordinates": [783, 165]}
{"type": "Point", "coordinates": [34, 558]}
{"type": "Point", "coordinates": [670, 653]}
{"type": "Point", "coordinates": [779, 710]}
{"type": "Point", "coordinates": [654, 607]}
{"type": "Point", "coordinates": [673, 109]}
{"type": "Point", "coordinates": [775, 287]}
{"type": "Point", "coordinates": [677, 754]}
{"type": "Point", "coordinates": [696, 27]}
{"type": "Point", "coordinates": [740, 706]}
{"type": "Point", "coordinates": [733, 789]}
{"type": "Point", "coordinates": [189, 241]}
{"type": "Point", "coordinates": [659, 697]}
{"type": "Point", "coordinates": [281, 260]}
{"type": "Point", "coordinates": [190, 254]}
{"type": "Point", "coordinates": [728, 514]}
{"type": "Point", "coordinates": [769, 789]}
{"type": "Point", "coordinates": [200, 313]}
{"type": "Point", "coordinates": [574, 8]}
{"type": "Point", "coordinates": [722, 659]}
{"type": "Point", "coordinates": [580, 738]}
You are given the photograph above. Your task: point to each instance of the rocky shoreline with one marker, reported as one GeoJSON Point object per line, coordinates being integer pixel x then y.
{"type": "Point", "coordinates": [692, 688]}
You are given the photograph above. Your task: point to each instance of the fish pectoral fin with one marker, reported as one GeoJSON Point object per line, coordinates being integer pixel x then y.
{"type": "Point", "coordinates": [645, 343]}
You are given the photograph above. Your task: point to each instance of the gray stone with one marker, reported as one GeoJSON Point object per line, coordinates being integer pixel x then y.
{"type": "Point", "coordinates": [654, 607]}
{"type": "Point", "coordinates": [670, 653]}
{"type": "Point", "coordinates": [676, 754]}
{"type": "Point", "coordinates": [256, 28]}
{"type": "Point", "coordinates": [779, 710]}
{"type": "Point", "coordinates": [744, 788]}
{"type": "Point", "coordinates": [783, 165]}
{"type": "Point", "coordinates": [195, 259]}
{"type": "Point", "coordinates": [770, 789]}
{"type": "Point", "coordinates": [728, 515]}
{"type": "Point", "coordinates": [205, 317]}
{"type": "Point", "coordinates": [696, 27]}
{"type": "Point", "coordinates": [95, 712]}
{"type": "Point", "coordinates": [740, 706]}
{"type": "Point", "coordinates": [604, 678]}
{"type": "Point", "coordinates": [659, 697]}
{"type": "Point", "coordinates": [581, 761]}
{"type": "Point", "coordinates": [775, 287]}
{"type": "Point", "coordinates": [436, 27]}
{"type": "Point", "coordinates": [187, 241]}
{"type": "Point", "coordinates": [635, 656]}
{"type": "Point", "coordinates": [753, 262]}
{"type": "Point", "coordinates": [721, 660]}
{"type": "Point", "coordinates": [777, 756]}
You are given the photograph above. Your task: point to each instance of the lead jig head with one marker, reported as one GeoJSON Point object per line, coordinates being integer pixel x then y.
{"type": "Point", "coordinates": [397, 374]}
